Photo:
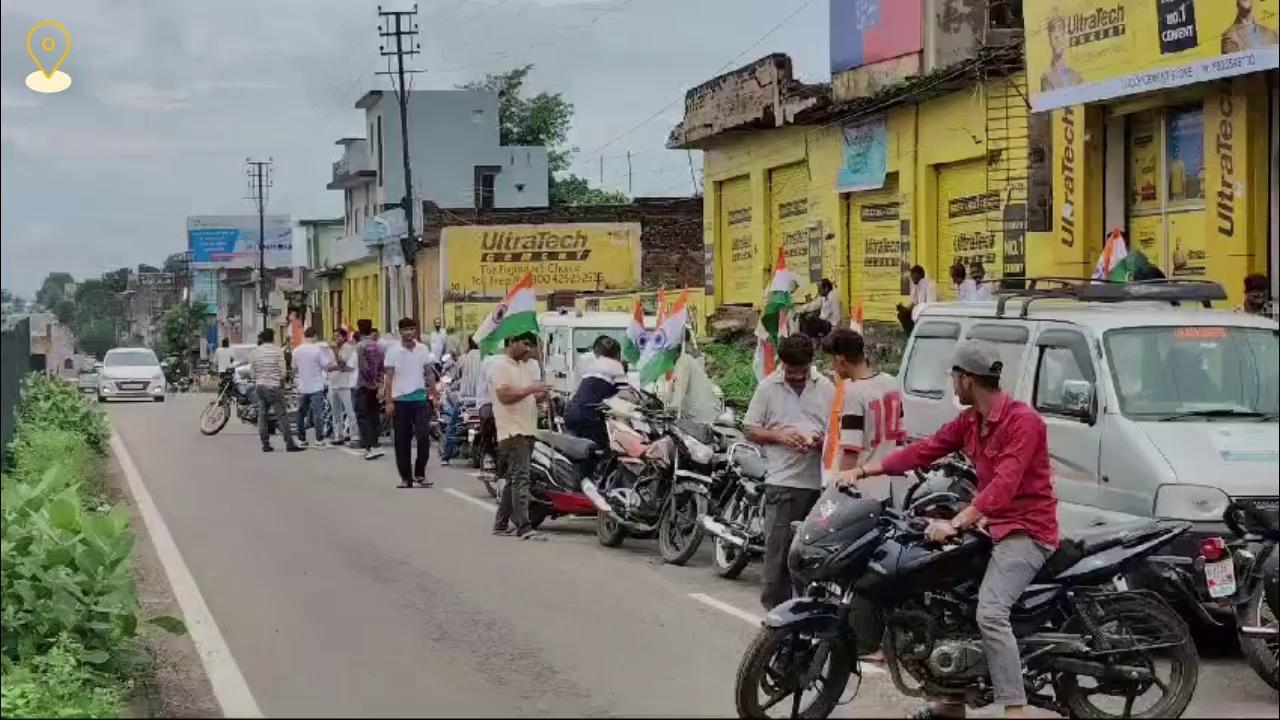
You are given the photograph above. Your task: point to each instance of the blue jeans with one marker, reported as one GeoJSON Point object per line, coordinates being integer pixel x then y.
{"type": "Point", "coordinates": [314, 404]}
{"type": "Point", "coordinates": [452, 435]}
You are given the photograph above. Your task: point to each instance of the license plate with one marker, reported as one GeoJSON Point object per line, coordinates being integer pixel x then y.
{"type": "Point", "coordinates": [134, 386]}
{"type": "Point", "coordinates": [1220, 576]}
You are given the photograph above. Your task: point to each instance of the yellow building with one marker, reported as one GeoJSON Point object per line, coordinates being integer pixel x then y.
{"type": "Point", "coordinates": [361, 292]}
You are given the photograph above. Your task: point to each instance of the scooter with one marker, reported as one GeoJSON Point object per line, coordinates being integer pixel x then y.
{"type": "Point", "coordinates": [559, 464]}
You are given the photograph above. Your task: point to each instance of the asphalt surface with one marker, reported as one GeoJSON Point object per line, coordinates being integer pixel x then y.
{"type": "Point", "coordinates": [340, 595]}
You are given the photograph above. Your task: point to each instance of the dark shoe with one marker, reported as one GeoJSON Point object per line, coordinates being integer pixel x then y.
{"type": "Point", "coordinates": [295, 448]}
{"type": "Point", "coordinates": [268, 448]}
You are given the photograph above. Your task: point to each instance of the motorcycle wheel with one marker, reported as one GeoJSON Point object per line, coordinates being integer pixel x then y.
{"type": "Point", "coordinates": [730, 560]}
{"type": "Point", "coordinates": [1262, 655]}
{"type": "Point", "coordinates": [477, 454]}
{"type": "Point", "coordinates": [609, 531]}
{"type": "Point", "coordinates": [1171, 700]}
{"type": "Point", "coordinates": [680, 528]}
{"type": "Point", "coordinates": [214, 418]}
{"type": "Point", "coordinates": [769, 665]}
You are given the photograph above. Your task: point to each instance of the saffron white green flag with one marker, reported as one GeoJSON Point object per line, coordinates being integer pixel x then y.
{"type": "Point", "coordinates": [661, 348]}
{"type": "Point", "coordinates": [635, 335]}
{"type": "Point", "coordinates": [1114, 264]}
{"type": "Point", "coordinates": [516, 315]}
{"type": "Point", "coordinates": [773, 318]}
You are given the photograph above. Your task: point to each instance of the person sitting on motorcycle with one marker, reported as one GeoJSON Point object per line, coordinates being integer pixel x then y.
{"type": "Point", "coordinates": [583, 417]}
{"type": "Point", "coordinates": [1006, 441]}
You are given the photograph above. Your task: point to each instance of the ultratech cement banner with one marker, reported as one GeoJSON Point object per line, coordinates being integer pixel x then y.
{"type": "Point", "coordinates": [484, 261]}
{"type": "Point", "coordinates": [1081, 51]}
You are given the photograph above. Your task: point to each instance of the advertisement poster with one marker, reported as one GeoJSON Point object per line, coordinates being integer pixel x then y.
{"type": "Point", "coordinates": [231, 241]}
{"type": "Point", "coordinates": [1144, 162]}
{"type": "Point", "coordinates": [866, 153]}
{"type": "Point", "coordinates": [484, 261]}
{"type": "Point", "coordinates": [1186, 155]}
{"type": "Point", "coordinates": [1188, 256]}
{"type": "Point", "coordinates": [1081, 51]}
{"type": "Point", "coordinates": [868, 31]}
{"type": "Point", "coordinates": [1068, 183]}
{"type": "Point", "coordinates": [1146, 233]}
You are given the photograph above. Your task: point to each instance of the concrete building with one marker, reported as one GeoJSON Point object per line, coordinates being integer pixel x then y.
{"type": "Point", "coordinates": [457, 160]}
{"type": "Point", "coordinates": [320, 240]}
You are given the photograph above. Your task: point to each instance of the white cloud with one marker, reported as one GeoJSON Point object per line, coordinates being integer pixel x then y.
{"type": "Point", "coordinates": [141, 96]}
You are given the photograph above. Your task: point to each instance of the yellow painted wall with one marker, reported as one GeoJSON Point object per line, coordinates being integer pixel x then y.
{"type": "Point", "coordinates": [360, 296]}
{"type": "Point", "coordinates": [427, 276]}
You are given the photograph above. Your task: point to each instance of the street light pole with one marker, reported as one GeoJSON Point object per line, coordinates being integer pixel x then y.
{"type": "Point", "coordinates": [404, 28]}
{"type": "Point", "coordinates": [259, 172]}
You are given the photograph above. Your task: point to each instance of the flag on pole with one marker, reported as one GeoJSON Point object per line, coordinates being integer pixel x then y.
{"type": "Point", "coordinates": [635, 334]}
{"type": "Point", "coordinates": [515, 315]}
{"type": "Point", "coordinates": [661, 347]}
{"type": "Point", "coordinates": [773, 318]}
{"type": "Point", "coordinates": [855, 322]}
{"type": "Point", "coordinates": [662, 306]}
{"type": "Point", "coordinates": [1115, 263]}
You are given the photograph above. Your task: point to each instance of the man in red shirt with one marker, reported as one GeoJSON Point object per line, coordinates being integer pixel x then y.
{"type": "Point", "coordinates": [1006, 442]}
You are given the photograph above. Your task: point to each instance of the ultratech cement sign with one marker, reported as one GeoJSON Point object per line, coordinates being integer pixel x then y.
{"type": "Point", "coordinates": [485, 261]}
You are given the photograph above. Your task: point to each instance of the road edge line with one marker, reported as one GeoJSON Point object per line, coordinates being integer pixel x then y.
{"type": "Point", "coordinates": [220, 667]}
{"type": "Point", "coordinates": [485, 504]}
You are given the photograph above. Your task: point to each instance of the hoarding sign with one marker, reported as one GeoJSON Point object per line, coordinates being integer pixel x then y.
{"type": "Point", "coordinates": [231, 241]}
{"type": "Point", "coordinates": [486, 261]}
{"type": "Point", "coordinates": [868, 31]}
{"type": "Point", "coordinates": [1081, 51]}
{"type": "Point", "coordinates": [866, 156]}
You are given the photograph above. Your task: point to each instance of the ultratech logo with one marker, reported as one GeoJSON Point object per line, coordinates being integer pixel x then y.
{"type": "Point", "coordinates": [1102, 23]}
{"type": "Point", "coordinates": [1068, 170]}
{"type": "Point", "coordinates": [876, 213]}
{"type": "Point", "coordinates": [1226, 204]}
{"type": "Point", "coordinates": [973, 204]}
{"type": "Point", "coordinates": [543, 246]}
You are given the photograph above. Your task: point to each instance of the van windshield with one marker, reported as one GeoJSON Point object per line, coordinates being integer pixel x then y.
{"type": "Point", "coordinates": [1171, 373]}
{"type": "Point", "coordinates": [584, 338]}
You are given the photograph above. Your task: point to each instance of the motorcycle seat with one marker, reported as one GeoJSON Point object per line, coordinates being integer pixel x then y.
{"type": "Point", "coordinates": [574, 448]}
{"type": "Point", "coordinates": [751, 465]}
{"type": "Point", "coordinates": [1096, 538]}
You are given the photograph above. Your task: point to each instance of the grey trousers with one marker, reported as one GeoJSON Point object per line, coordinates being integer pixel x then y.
{"type": "Point", "coordinates": [782, 506]}
{"type": "Point", "coordinates": [514, 456]}
{"type": "Point", "coordinates": [1015, 560]}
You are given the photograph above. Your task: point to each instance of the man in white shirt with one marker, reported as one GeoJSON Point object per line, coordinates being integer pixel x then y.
{"type": "Point", "coordinates": [438, 341]}
{"type": "Point", "coordinates": [405, 382]}
{"type": "Point", "coordinates": [311, 361]}
{"type": "Point", "coordinates": [224, 356]}
{"type": "Point", "coordinates": [342, 382]}
{"type": "Point", "coordinates": [923, 292]}
{"type": "Point", "coordinates": [966, 289]}
{"type": "Point", "coordinates": [978, 273]}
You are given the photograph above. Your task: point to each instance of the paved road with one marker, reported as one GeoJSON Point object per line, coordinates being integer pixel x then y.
{"type": "Point", "coordinates": [340, 595]}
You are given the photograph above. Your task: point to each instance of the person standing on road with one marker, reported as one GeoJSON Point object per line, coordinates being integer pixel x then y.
{"type": "Point", "coordinates": [266, 364]}
{"type": "Point", "coordinates": [1007, 442]}
{"type": "Point", "coordinates": [311, 361]}
{"type": "Point", "coordinates": [405, 388]}
{"type": "Point", "coordinates": [369, 359]}
{"type": "Point", "coordinates": [438, 341]}
{"type": "Point", "coordinates": [516, 390]}
{"type": "Point", "coordinates": [342, 380]}
{"type": "Point", "coordinates": [786, 416]}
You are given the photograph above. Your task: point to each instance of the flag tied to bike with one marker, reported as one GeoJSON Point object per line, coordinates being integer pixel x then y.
{"type": "Point", "coordinates": [660, 348]}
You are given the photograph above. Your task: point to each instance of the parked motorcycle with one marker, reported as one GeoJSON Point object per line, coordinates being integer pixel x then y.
{"type": "Point", "coordinates": [875, 581]}
{"type": "Point", "coordinates": [556, 472]}
{"type": "Point", "coordinates": [235, 395]}
{"type": "Point", "coordinates": [1244, 570]}
{"type": "Point", "coordinates": [738, 525]}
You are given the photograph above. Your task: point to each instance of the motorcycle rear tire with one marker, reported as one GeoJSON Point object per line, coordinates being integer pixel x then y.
{"type": "Point", "coordinates": [477, 454]}
{"type": "Point", "coordinates": [1260, 655]}
{"type": "Point", "coordinates": [216, 427]}
{"type": "Point", "coordinates": [609, 531]}
{"type": "Point", "coordinates": [730, 559]}
{"type": "Point", "coordinates": [757, 659]}
{"type": "Point", "coordinates": [673, 553]}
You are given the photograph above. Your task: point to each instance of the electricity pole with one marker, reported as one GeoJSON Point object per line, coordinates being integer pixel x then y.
{"type": "Point", "coordinates": [399, 24]}
{"type": "Point", "coordinates": [259, 172]}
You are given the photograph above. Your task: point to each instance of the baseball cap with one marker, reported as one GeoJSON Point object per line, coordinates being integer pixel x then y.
{"type": "Point", "coordinates": [977, 357]}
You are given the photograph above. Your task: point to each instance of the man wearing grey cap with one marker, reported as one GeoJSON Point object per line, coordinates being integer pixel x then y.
{"type": "Point", "coordinates": [1006, 441]}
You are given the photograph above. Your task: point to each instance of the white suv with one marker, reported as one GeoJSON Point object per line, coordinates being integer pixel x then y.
{"type": "Point", "coordinates": [131, 373]}
{"type": "Point", "coordinates": [1154, 407]}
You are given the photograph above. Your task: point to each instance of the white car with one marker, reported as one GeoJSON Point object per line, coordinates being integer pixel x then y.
{"type": "Point", "coordinates": [131, 373]}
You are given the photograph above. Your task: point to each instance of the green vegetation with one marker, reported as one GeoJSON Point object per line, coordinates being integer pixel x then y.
{"type": "Point", "coordinates": [68, 615]}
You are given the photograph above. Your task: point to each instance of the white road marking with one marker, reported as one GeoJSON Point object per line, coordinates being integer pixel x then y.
{"type": "Point", "coordinates": [491, 507]}
{"type": "Point", "coordinates": [755, 620]}
{"type": "Point", "coordinates": [220, 666]}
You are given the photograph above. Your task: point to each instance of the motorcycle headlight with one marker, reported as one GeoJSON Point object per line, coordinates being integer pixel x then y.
{"type": "Point", "coordinates": [1189, 502]}
{"type": "Point", "coordinates": [699, 452]}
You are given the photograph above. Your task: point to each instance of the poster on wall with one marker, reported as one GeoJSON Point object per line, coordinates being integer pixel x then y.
{"type": "Point", "coordinates": [879, 259]}
{"type": "Point", "coordinates": [1081, 51]}
{"type": "Point", "coordinates": [1185, 139]}
{"type": "Point", "coordinates": [866, 153]}
{"type": "Point", "coordinates": [868, 31]}
{"type": "Point", "coordinates": [1187, 253]}
{"type": "Point", "coordinates": [1144, 162]}
{"type": "Point", "coordinates": [231, 241]}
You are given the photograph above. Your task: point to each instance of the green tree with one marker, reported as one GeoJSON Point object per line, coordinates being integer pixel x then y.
{"type": "Point", "coordinates": [543, 119]}
{"type": "Point", "coordinates": [53, 288]}
{"type": "Point", "coordinates": [180, 328]}
{"type": "Point", "coordinates": [96, 338]}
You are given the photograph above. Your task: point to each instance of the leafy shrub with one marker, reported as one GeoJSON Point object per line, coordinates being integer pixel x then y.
{"type": "Point", "coordinates": [57, 684]}
{"type": "Point", "coordinates": [35, 450]}
{"type": "Point", "coordinates": [52, 403]}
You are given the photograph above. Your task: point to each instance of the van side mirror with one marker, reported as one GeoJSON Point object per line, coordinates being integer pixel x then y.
{"type": "Point", "coordinates": [1077, 398]}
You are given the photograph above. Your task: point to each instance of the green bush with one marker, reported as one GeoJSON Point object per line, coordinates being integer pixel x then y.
{"type": "Point", "coordinates": [50, 403]}
{"type": "Point", "coordinates": [58, 684]}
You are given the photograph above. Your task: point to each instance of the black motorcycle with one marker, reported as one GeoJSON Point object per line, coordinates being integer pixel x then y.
{"type": "Point", "coordinates": [235, 397]}
{"type": "Point", "coordinates": [876, 582]}
{"type": "Point", "coordinates": [1256, 567]}
{"type": "Point", "coordinates": [738, 523]}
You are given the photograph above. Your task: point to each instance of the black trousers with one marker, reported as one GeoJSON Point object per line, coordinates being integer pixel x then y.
{"type": "Point", "coordinates": [514, 456]}
{"type": "Point", "coordinates": [782, 506]}
{"type": "Point", "coordinates": [412, 421]}
{"type": "Point", "coordinates": [369, 415]}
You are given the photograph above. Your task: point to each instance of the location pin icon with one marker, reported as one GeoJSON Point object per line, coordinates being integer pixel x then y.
{"type": "Point", "coordinates": [48, 44]}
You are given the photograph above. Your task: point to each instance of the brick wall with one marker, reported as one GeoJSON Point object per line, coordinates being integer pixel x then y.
{"type": "Point", "coordinates": [670, 231]}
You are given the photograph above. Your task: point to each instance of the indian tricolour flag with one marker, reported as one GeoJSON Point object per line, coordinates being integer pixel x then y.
{"type": "Point", "coordinates": [661, 348]}
{"type": "Point", "coordinates": [517, 314]}
{"type": "Point", "coordinates": [773, 318]}
{"type": "Point", "coordinates": [635, 335]}
{"type": "Point", "coordinates": [1115, 263]}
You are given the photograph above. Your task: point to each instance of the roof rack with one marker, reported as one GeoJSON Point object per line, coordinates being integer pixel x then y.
{"type": "Point", "coordinates": [1174, 292]}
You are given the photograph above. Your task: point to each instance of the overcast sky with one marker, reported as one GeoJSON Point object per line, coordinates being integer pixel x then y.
{"type": "Point", "coordinates": [170, 96]}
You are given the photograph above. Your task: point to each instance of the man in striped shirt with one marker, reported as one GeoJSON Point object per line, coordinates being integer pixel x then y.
{"type": "Point", "coordinates": [266, 363]}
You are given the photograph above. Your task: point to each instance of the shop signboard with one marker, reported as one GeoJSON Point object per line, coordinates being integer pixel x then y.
{"type": "Point", "coordinates": [1081, 51]}
{"type": "Point", "coordinates": [231, 241]}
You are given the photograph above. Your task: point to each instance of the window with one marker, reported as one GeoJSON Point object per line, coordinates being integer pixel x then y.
{"type": "Point", "coordinates": [1011, 342]}
{"type": "Point", "coordinates": [1057, 366]}
{"type": "Point", "coordinates": [929, 366]}
{"type": "Point", "coordinates": [485, 178]}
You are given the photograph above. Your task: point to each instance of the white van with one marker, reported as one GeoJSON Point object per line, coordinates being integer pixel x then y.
{"type": "Point", "coordinates": [1154, 407]}
{"type": "Point", "coordinates": [567, 336]}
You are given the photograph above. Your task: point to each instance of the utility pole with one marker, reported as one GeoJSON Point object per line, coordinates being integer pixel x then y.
{"type": "Point", "coordinates": [404, 30]}
{"type": "Point", "coordinates": [259, 172]}
{"type": "Point", "coordinates": [629, 173]}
